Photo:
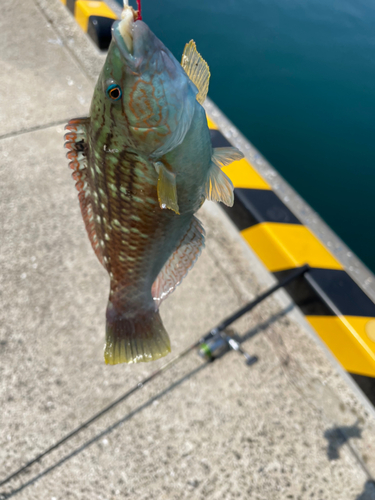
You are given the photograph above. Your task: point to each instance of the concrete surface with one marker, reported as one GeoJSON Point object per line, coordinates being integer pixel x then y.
{"type": "Point", "coordinates": [289, 427]}
{"type": "Point", "coordinates": [39, 83]}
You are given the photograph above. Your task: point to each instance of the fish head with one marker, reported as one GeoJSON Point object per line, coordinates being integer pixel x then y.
{"type": "Point", "coordinates": [144, 89]}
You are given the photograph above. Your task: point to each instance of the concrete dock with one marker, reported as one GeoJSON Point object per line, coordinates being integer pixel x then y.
{"type": "Point", "coordinates": [290, 426]}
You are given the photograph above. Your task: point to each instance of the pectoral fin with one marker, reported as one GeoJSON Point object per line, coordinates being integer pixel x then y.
{"type": "Point", "coordinates": [218, 186]}
{"type": "Point", "coordinates": [167, 192]}
{"type": "Point", "coordinates": [196, 69]}
{"type": "Point", "coordinates": [180, 262]}
{"type": "Point", "coordinates": [225, 156]}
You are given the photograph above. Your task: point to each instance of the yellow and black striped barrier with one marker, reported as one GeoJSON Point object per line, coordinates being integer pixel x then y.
{"type": "Point", "coordinates": [95, 18]}
{"type": "Point", "coordinates": [345, 318]}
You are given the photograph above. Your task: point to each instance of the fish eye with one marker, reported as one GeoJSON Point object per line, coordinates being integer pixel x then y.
{"type": "Point", "coordinates": [114, 92]}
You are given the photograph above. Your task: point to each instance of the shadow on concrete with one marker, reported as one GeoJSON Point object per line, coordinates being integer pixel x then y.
{"type": "Point", "coordinates": [338, 436]}
{"type": "Point", "coordinates": [99, 436]}
{"type": "Point", "coordinates": [368, 492]}
{"type": "Point", "coordinates": [231, 332]}
{"type": "Point", "coordinates": [263, 326]}
{"type": "Point", "coordinates": [248, 335]}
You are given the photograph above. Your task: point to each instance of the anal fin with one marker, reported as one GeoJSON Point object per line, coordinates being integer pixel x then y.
{"type": "Point", "coordinates": [76, 143]}
{"type": "Point", "coordinates": [180, 262]}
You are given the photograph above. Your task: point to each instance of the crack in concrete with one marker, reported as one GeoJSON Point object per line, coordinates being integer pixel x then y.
{"type": "Point", "coordinates": [34, 129]}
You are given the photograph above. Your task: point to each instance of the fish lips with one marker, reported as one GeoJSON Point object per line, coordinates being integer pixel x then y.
{"type": "Point", "coordinates": [145, 44]}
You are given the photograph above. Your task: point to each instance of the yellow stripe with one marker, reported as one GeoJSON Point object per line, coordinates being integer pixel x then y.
{"type": "Point", "coordinates": [84, 9]}
{"type": "Point", "coordinates": [211, 124]}
{"type": "Point", "coordinates": [284, 246]}
{"type": "Point", "coordinates": [63, 2]}
{"type": "Point", "coordinates": [243, 175]}
{"type": "Point", "coordinates": [365, 329]}
{"type": "Point", "coordinates": [345, 336]}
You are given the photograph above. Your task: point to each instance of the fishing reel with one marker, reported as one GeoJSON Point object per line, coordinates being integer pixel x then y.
{"type": "Point", "coordinates": [220, 343]}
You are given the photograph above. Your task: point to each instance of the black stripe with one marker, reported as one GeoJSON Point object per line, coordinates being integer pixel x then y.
{"type": "Point", "coordinates": [367, 384]}
{"type": "Point", "coordinates": [239, 214]}
{"type": "Point", "coordinates": [99, 30]}
{"type": "Point", "coordinates": [265, 206]}
{"type": "Point", "coordinates": [92, 161]}
{"type": "Point", "coordinates": [120, 165]}
{"type": "Point", "coordinates": [345, 294]}
{"type": "Point", "coordinates": [131, 179]}
{"type": "Point", "coordinates": [126, 163]}
{"type": "Point", "coordinates": [107, 143]}
{"type": "Point", "coordinates": [70, 4]}
{"type": "Point", "coordinates": [252, 206]}
{"type": "Point", "coordinates": [218, 140]}
{"type": "Point", "coordinates": [304, 296]}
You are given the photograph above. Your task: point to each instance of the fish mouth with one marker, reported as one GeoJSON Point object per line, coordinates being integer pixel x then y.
{"type": "Point", "coordinates": [125, 27]}
{"type": "Point", "coordinates": [134, 39]}
{"type": "Point", "coordinates": [122, 32]}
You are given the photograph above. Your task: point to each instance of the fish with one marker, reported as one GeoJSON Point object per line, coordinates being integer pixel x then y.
{"type": "Point", "coordinates": [143, 165]}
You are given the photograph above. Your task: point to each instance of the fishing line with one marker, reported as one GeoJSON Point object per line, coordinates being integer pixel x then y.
{"type": "Point", "coordinates": [139, 10]}
{"type": "Point", "coordinates": [126, 4]}
{"type": "Point", "coordinates": [202, 340]}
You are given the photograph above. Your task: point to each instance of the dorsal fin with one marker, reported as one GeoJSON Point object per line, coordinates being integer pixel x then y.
{"type": "Point", "coordinates": [76, 143]}
{"type": "Point", "coordinates": [196, 69]}
{"type": "Point", "coordinates": [180, 262]}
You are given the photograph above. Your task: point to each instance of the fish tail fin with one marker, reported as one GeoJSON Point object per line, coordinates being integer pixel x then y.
{"type": "Point", "coordinates": [135, 339]}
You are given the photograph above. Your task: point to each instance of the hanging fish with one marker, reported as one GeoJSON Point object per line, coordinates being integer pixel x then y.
{"type": "Point", "coordinates": [143, 165]}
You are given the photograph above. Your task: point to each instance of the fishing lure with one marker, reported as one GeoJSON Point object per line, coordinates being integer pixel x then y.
{"type": "Point", "coordinates": [143, 165]}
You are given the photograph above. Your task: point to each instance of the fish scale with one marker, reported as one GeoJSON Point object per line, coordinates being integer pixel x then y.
{"type": "Point", "coordinates": [132, 243]}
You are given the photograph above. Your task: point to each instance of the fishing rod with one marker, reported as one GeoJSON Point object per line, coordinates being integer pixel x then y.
{"type": "Point", "coordinates": [211, 344]}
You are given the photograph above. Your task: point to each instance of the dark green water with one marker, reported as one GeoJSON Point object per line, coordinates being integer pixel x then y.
{"type": "Point", "coordinates": [297, 77]}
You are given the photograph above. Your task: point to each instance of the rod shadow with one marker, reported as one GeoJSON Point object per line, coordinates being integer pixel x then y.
{"type": "Point", "coordinates": [263, 326]}
{"type": "Point", "coordinates": [108, 430]}
{"type": "Point", "coordinates": [248, 335]}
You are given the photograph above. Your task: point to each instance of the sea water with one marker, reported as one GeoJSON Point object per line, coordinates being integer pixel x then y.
{"type": "Point", "coordinates": [297, 77]}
